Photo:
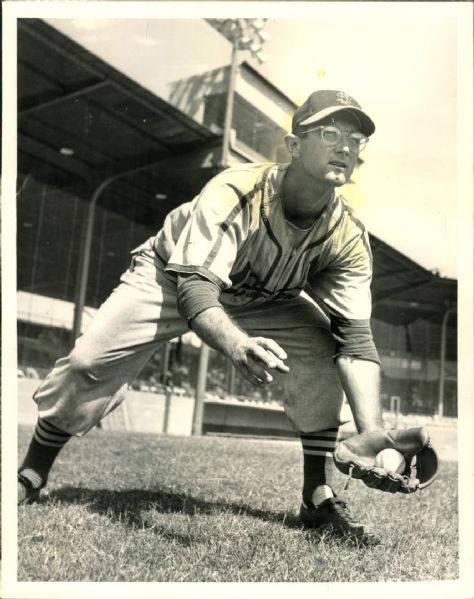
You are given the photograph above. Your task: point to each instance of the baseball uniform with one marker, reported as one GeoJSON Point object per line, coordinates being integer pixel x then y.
{"type": "Point", "coordinates": [274, 279]}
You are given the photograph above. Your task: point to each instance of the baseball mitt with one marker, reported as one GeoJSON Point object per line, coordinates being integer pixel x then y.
{"type": "Point", "coordinates": [356, 457]}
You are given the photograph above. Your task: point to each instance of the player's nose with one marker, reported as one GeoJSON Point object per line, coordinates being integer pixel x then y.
{"type": "Point", "coordinates": [343, 147]}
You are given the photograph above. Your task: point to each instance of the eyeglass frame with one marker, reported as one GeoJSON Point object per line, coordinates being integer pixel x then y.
{"type": "Point", "coordinates": [364, 139]}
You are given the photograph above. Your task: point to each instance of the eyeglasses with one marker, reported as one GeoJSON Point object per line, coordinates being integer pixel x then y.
{"type": "Point", "coordinates": [331, 136]}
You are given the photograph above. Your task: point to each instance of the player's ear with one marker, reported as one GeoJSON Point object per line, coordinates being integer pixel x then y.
{"type": "Point", "coordinates": [293, 145]}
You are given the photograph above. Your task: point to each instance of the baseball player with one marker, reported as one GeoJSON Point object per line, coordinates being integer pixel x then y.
{"type": "Point", "coordinates": [269, 266]}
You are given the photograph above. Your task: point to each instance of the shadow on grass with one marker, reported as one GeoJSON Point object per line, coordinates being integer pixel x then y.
{"type": "Point", "coordinates": [127, 506]}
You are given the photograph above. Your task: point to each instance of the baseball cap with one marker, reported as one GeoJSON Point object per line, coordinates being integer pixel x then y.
{"type": "Point", "coordinates": [322, 103]}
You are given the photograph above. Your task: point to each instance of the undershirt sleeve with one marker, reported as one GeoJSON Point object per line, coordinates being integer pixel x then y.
{"type": "Point", "coordinates": [353, 338]}
{"type": "Point", "coordinates": [196, 294]}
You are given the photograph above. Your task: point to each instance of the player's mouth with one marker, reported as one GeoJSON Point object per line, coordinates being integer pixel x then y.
{"type": "Point", "coordinates": [338, 164]}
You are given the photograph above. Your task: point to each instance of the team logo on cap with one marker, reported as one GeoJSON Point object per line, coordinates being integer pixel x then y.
{"type": "Point", "coordinates": [344, 98]}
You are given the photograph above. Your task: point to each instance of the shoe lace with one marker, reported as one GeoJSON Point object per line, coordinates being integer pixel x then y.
{"type": "Point", "coordinates": [342, 510]}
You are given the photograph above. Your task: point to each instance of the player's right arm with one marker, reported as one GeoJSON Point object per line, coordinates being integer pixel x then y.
{"type": "Point", "coordinates": [254, 357]}
{"type": "Point", "coordinates": [202, 257]}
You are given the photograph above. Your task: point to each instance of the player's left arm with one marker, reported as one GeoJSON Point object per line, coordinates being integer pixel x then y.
{"type": "Point", "coordinates": [360, 380]}
{"type": "Point", "coordinates": [344, 288]}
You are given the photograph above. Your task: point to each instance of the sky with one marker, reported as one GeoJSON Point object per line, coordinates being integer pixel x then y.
{"type": "Point", "coordinates": [404, 73]}
{"type": "Point", "coordinates": [401, 63]}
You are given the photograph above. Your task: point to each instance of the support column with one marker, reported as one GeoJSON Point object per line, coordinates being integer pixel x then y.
{"type": "Point", "coordinates": [165, 361]}
{"type": "Point", "coordinates": [442, 361]}
{"type": "Point", "coordinates": [200, 390]}
{"type": "Point", "coordinates": [229, 109]}
{"type": "Point", "coordinates": [84, 260]}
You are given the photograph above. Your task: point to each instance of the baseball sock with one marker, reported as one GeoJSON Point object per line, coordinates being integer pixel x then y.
{"type": "Point", "coordinates": [319, 468]}
{"type": "Point", "coordinates": [47, 442]}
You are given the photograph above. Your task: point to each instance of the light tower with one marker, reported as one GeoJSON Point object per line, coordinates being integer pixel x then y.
{"type": "Point", "coordinates": [244, 35]}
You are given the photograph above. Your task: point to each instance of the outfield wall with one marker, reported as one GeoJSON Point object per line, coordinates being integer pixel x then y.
{"type": "Point", "coordinates": [142, 411]}
{"type": "Point", "coordinates": [145, 412]}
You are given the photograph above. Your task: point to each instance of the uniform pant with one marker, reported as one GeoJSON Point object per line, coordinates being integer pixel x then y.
{"type": "Point", "coordinates": [141, 313]}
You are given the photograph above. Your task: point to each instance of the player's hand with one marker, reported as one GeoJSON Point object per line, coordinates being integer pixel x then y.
{"type": "Point", "coordinates": [256, 357]}
{"type": "Point", "coordinates": [357, 457]}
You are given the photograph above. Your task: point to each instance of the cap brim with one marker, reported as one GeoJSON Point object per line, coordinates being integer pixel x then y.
{"type": "Point", "coordinates": [368, 126]}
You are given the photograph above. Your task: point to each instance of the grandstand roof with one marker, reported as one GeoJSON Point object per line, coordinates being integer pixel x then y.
{"type": "Point", "coordinates": [87, 121]}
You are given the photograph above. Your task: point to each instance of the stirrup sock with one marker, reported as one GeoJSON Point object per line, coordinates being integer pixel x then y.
{"type": "Point", "coordinates": [319, 468]}
{"type": "Point", "coordinates": [47, 442]}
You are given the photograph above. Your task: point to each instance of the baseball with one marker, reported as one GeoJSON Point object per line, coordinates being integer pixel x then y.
{"type": "Point", "coordinates": [390, 460]}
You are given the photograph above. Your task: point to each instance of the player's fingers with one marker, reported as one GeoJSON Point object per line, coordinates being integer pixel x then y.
{"type": "Point", "coordinates": [255, 374]}
{"type": "Point", "coordinates": [272, 346]}
{"type": "Point", "coordinates": [259, 369]}
{"type": "Point", "coordinates": [259, 355]}
{"type": "Point", "coordinates": [270, 353]}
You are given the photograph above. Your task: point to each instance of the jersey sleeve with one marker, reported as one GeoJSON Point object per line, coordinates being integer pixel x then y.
{"type": "Point", "coordinates": [344, 285]}
{"type": "Point", "coordinates": [216, 228]}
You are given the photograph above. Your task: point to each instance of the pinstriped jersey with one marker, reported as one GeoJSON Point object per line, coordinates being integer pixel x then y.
{"type": "Point", "coordinates": [235, 234]}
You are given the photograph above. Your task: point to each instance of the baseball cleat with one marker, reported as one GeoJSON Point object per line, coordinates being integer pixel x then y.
{"type": "Point", "coordinates": [26, 493]}
{"type": "Point", "coordinates": [334, 514]}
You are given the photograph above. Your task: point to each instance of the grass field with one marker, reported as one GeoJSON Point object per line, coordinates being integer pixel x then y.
{"type": "Point", "coordinates": [135, 507]}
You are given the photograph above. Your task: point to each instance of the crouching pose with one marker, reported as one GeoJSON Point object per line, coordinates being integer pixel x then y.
{"type": "Point", "coordinates": [267, 265]}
